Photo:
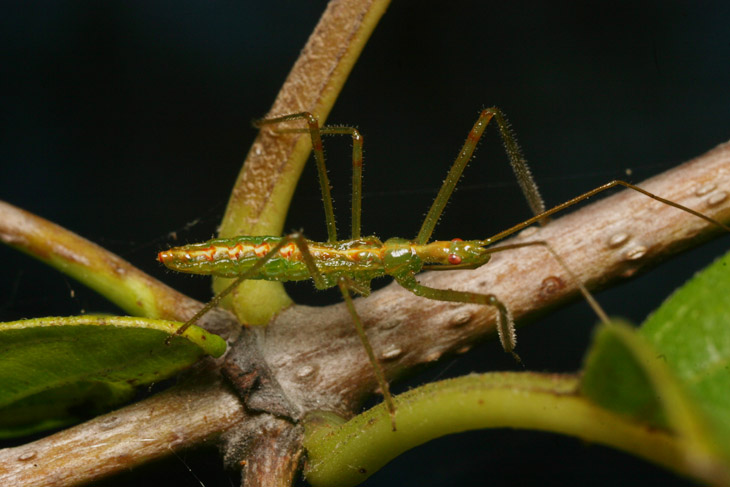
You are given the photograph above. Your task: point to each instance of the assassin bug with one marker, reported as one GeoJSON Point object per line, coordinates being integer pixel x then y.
{"type": "Point", "coordinates": [352, 264]}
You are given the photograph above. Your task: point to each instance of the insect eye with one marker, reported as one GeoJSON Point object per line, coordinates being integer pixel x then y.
{"type": "Point", "coordinates": [454, 259]}
{"type": "Point", "coordinates": [456, 240]}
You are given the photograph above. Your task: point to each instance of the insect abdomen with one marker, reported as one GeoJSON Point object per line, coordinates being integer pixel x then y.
{"type": "Point", "coordinates": [230, 257]}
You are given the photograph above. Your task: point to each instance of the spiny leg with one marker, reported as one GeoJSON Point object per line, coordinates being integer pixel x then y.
{"type": "Point", "coordinates": [505, 322]}
{"type": "Point", "coordinates": [316, 133]}
{"type": "Point", "coordinates": [324, 183]}
{"type": "Point", "coordinates": [356, 201]}
{"type": "Point", "coordinates": [593, 192]}
{"type": "Point", "coordinates": [379, 374]}
{"type": "Point", "coordinates": [517, 161]}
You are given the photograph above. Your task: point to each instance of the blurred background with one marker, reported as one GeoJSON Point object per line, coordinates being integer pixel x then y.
{"type": "Point", "coordinates": [127, 121]}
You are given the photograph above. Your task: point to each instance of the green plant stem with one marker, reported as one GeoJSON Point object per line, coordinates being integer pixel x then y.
{"type": "Point", "coordinates": [109, 275]}
{"type": "Point", "coordinates": [266, 183]}
{"type": "Point", "coordinates": [348, 454]}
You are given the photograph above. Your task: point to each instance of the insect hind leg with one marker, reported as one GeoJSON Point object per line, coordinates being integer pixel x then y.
{"type": "Point", "coordinates": [315, 133]}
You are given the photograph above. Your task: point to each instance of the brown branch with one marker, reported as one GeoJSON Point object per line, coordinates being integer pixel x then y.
{"type": "Point", "coordinates": [326, 368]}
{"type": "Point", "coordinates": [274, 455]}
{"type": "Point", "coordinates": [186, 415]}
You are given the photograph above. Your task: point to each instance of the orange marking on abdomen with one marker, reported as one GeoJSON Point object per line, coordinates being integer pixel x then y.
{"type": "Point", "coordinates": [261, 250]}
{"type": "Point", "coordinates": [235, 252]}
{"type": "Point", "coordinates": [288, 250]}
{"type": "Point", "coordinates": [209, 253]}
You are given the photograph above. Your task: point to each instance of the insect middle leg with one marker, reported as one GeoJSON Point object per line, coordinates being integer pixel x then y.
{"type": "Point", "coordinates": [345, 284]}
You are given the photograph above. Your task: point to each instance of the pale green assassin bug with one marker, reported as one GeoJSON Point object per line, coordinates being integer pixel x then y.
{"type": "Point", "coordinates": [352, 264]}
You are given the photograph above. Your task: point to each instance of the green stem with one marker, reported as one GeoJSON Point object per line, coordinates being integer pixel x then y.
{"type": "Point", "coordinates": [348, 454]}
{"type": "Point", "coordinates": [112, 277]}
{"type": "Point", "coordinates": [264, 188]}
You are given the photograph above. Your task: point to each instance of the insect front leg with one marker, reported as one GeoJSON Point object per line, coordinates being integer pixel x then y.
{"type": "Point", "coordinates": [505, 322]}
{"type": "Point", "coordinates": [516, 159]}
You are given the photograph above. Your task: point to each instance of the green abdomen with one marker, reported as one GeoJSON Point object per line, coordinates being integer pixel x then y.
{"type": "Point", "coordinates": [235, 256]}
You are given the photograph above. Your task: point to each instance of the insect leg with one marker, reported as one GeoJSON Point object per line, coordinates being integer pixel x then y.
{"type": "Point", "coordinates": [356, 204]}
{"type": "Point", "coordinates": [505, 322]}
{"type": "Point", "coordinates": [345, 284]}
{"type": "Point", "coordinates": [357, 143]}
{"type": "Point", "coordinates": [379, 374]}
{"type": "Point", "coordinates": [517, 160]}
{"type": "Point", "coordinates": [324, 183]}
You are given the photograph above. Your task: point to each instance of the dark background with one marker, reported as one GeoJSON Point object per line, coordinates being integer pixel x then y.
{"type": "Point", "coordinates": [125, 121]}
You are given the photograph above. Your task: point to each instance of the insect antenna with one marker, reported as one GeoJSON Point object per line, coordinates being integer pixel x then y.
{"type": "Point", "coordinates": [593, 192]}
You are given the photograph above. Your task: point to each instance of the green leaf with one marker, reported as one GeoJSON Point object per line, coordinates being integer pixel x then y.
{"type": "Point", "coordinates": [55, 371]}
{"type": "Point", "coordinates": [691, 331]}
{"type": "Point", "coordinates": [674, 372]}
{"type": "Point", "coordinates": [616, 379]}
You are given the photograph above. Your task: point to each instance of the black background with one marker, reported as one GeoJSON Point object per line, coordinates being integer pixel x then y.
{"type": "Point", "coordinates": [125, 121]}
